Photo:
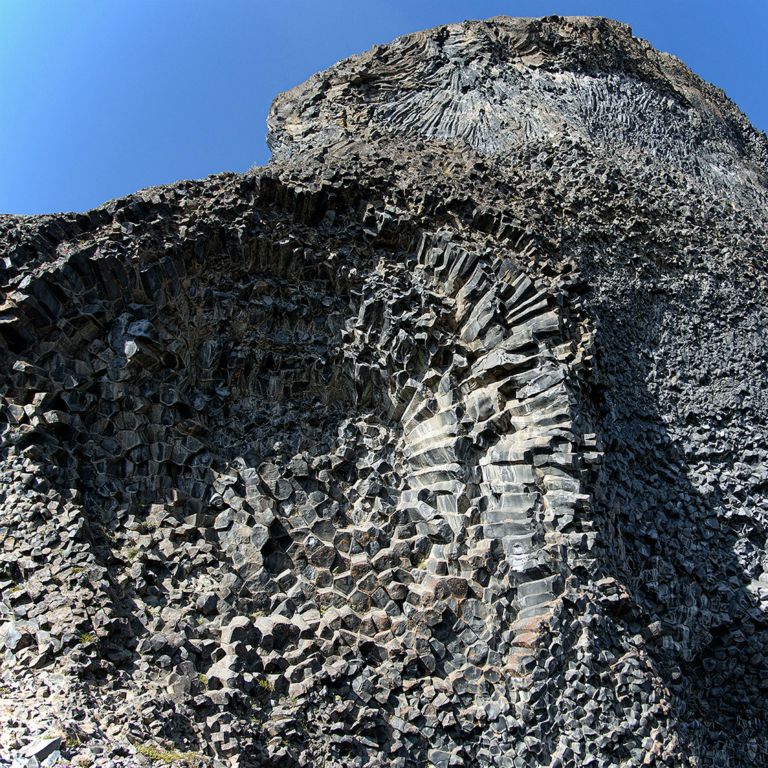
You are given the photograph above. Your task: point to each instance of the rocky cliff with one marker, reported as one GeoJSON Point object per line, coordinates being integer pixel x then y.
{"type": "Point", "coordinates": [439, 441]}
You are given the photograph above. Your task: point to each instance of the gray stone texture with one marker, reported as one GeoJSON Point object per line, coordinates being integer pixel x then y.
{"type": "Point", "coordinates": [440, 440]}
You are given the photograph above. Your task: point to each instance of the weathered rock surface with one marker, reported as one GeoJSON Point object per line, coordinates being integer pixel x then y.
{"type": "Point", "coordinates": [441, 440]}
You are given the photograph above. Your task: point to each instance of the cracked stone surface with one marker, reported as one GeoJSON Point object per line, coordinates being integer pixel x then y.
{"type": "Point", "coordinates": [438, 441]}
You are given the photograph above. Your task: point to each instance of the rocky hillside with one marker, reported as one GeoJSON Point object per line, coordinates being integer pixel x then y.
{"type": "Point", "coordinates": [442, 440]}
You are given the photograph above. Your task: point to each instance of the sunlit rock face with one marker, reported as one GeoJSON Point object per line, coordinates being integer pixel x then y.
{"type": "Point", "coordinates": [438, 441]}
{"type": "Point", "coordinates": [499, 86]}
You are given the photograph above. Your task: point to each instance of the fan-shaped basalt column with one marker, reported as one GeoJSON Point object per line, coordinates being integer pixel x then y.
{"type": "Point", "coordinates": [305, 466]}
{"type": "Point", "coordinates": [505, 85]}
{"type": "Point", "coordinates": [348, 469]}
{"type": "Point", "coordinates": [491, 451]}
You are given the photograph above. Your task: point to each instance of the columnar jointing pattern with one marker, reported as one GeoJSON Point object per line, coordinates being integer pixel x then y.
{"type": "Point", "coordinates": [284, 479]}
{"type": "Point", "coordinates": [490, 451]}
{"type": "Point", "coordinates": [438, 442]}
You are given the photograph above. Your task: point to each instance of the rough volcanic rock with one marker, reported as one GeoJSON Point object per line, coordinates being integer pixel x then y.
{"type": "Point", "coordinates": [441, 440]}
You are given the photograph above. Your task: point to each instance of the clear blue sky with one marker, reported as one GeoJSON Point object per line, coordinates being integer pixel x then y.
{"type": "Point", "coordinates": [99, 98]}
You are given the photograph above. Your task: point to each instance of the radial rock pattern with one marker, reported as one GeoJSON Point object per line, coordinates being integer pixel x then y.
{"type": "Point", "coordinates": [440, 441]}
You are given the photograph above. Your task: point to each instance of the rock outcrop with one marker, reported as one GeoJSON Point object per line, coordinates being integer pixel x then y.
{"type": "Point", "coordinates": [441, 440]}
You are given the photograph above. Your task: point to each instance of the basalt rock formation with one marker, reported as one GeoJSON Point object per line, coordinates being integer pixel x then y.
{"type": "Point", "coordinates": [439, 441]}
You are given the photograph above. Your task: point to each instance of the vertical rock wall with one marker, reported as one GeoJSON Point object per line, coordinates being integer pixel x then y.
{"type": "Point", "coordinates": [440, 441]}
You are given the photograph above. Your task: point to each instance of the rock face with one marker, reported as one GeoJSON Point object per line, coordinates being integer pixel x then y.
{"type": "Point", "coordinates": [441, 440]}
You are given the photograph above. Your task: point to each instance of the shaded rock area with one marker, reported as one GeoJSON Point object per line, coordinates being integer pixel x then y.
{"type": "Point", "coordinates": [439, 441]}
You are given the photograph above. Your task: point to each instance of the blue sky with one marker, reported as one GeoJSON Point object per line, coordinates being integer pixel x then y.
{"type": "Point", "coordinates": [99, 98]}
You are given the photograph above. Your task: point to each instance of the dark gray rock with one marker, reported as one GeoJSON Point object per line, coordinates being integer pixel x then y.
{"type": "Point", "coordinates": [441, 440]}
